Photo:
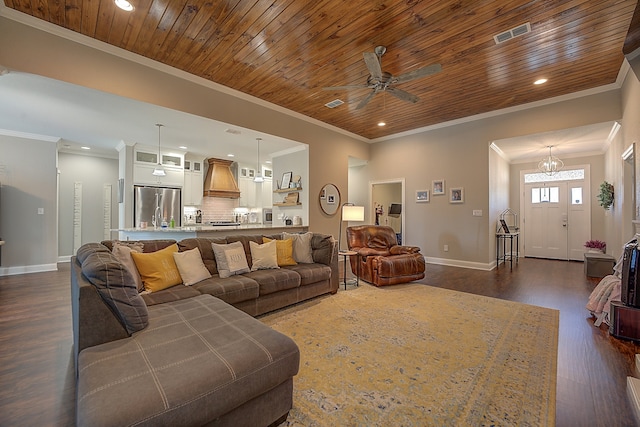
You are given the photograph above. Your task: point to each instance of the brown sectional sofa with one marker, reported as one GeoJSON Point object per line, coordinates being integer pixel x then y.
{"type": "Point", "coordinates": [188, 355]}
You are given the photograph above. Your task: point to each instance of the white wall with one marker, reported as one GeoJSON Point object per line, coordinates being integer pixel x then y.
{"type": "Point", "coordinates": [629, 133]}
{"type": "Point", "coordinates": [93, 173]}
{"type": "Point", "coordinates": [29, 182]}
{"type": "Point", "coordinates": [298, 164]}
{"type": "Point", "coordinates": [499, 200]}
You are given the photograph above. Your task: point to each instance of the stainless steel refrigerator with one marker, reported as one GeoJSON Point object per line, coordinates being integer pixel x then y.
{"type": "Point", "coordinates": [150, 202]}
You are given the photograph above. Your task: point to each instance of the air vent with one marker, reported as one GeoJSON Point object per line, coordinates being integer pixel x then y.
{"type": "Point", "coordinates": [333, 104]}
{"type": "Point", "coordinates": [233, 131]}
{"type": "Point", "coordinates": [512, 33]}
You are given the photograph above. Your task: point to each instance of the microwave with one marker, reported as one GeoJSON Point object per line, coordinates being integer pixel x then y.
{"type": "Point", "coordinates": [267, 216]}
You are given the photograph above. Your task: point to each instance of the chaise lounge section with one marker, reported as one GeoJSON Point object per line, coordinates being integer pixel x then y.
{"type": "Point", "coordinates": [188, 355]}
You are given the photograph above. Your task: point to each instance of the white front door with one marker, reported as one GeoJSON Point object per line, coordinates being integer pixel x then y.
{"type": "Point", "coordinates": [546, 220]}
{"type": "Point", "coordinates": [579, 227]}
{"type": "Point", "coordinates": [557, 218]}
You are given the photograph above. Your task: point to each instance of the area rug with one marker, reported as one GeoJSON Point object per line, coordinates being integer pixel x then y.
{"type": "Point", "coordinates": [415, 355]}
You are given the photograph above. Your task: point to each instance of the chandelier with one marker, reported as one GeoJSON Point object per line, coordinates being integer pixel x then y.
{"type": "Point", "coordinates": [551, 164]}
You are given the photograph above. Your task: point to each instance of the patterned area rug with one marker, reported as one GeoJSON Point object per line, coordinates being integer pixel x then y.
{"type": "Point", "coordinates": [415, 355]}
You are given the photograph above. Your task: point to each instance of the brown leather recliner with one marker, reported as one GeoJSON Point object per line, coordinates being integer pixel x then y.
{"type": "Point", "coordinates": [380, 259]}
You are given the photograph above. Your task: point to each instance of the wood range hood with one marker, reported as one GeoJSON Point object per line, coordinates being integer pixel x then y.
{"type": "Point", "coordinates": [219, 181]}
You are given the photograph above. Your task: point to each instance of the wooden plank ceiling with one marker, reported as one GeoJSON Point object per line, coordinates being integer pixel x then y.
{"type": "Point", "coordinates": [286, 51]}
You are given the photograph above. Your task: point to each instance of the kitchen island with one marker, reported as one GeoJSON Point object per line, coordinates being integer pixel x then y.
{"type": "Point", "coordinates": [209, 231]}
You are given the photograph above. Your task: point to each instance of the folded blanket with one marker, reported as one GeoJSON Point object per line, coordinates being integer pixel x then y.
{"type": "Point", "coordinates": [600, 299]}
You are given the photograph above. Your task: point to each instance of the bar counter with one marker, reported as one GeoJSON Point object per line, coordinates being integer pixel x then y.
{"type": "Point", "coordinates": [190, 231]}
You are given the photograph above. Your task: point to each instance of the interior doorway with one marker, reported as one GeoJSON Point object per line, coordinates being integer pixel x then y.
{"type": "Point", "coordinates": [557, 214]}
{"type": "Point", "coordinates": [385, 196]}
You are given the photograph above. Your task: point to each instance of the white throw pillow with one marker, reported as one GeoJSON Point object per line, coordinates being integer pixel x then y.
{"type": "Point", "coordinates": [302, 252]}
{"type": "Point", "coordinates": [264, 256]}
{"type": "Point", "coordinates": [230, 259]}
{"type": "Point", "coordinates": [192, 269]}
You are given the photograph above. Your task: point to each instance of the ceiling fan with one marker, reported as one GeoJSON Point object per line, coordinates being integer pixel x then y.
{"type": "Point", "coordinates": [382, 81]}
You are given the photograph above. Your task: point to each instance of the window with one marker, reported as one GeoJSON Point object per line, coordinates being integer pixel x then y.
{"type": "Point", "coordinates": [564, 175]}
{"type": "Point", "coordinates": [545, 195]}
{"type": "Point", "coordinates": [576, 196]}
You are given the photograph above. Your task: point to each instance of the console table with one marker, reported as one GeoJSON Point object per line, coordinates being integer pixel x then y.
{"type": "Point", "coordinates": [503, 238]}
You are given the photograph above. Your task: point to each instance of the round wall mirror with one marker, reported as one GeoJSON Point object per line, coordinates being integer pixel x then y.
{"type": "Point", "coordinates": [329, 199]}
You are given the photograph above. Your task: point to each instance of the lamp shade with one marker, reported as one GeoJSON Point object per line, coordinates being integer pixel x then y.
{"type": "Point", "coordinates": [352, 213]}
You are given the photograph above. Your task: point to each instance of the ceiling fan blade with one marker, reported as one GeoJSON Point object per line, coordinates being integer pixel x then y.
{"type": "Point", "coordinates": [416, 74]}
{"type": "Point", "coordinates": [373, 64]}
{"type": "Point", "coordinates": [401, 94]}
{"type": "Point", "coordinates": [366, 100]}
{"type": "Point", "coordinates": [345, 87]}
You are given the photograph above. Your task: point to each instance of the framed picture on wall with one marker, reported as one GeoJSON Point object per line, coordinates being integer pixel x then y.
{"type": "Point", "coordinates": [456, 195]}
{"type": "Point", "coordinates": [438, 187]}
{"type": "Point", "coordinates": [422, 196]}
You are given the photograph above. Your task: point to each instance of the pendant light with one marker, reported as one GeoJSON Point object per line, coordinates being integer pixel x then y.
{"type": "Point", "coordinates": [159, 170]}
{"type": "Point", "coordinates": [550, 165]}
{"type": "Point", "coordinates": [258, 176]}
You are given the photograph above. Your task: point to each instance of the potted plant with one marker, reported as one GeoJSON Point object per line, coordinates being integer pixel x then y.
{"type": "Point", "coordinates": [605, 197]}
{"type": "Point", "coordinates": [596, 246]}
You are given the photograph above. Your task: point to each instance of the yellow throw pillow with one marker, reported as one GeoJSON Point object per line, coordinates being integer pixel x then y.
{"type": "Point", "coordinates": [158, 269]}
{"type": "Point", "coordinates": [284, 250]}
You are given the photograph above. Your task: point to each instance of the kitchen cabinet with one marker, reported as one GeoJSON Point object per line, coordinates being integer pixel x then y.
{"type": "Point", "coordinates": [143, 174]}
{"type": "Point", "coordinates": [145, 159]}
{"type": "Point", "coordinates": [148, 156]}
{"type": "Point", "coordinates": [247, 192]}
{"type": "Point", "coordinates": [193, 182]}
{"type": "Point", "coordinates": [267, 193]}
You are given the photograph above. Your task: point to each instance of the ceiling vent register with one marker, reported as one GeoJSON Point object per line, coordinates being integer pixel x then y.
{"type": "Point", "coordinates": [512, 33]}
{"type": "Point", "coordinates": [333, 104]}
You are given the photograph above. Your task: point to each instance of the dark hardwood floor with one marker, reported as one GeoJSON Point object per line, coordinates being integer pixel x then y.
{"type": "Point", "coordinates": [36, 367]}
{"type": "Point", "coordinates": [592, 365]}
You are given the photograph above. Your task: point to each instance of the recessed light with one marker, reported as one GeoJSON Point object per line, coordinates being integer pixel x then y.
{"type": "Point", "coordinates": [231, 155]}
{"type": "Point", "coordinates": [124, 5]}
{"type": "Point", "coordinates": [268, 162]}
{"type": "Point", "coordinates": [381, 123]}
{"type": "Point", "coordinates": [183, 147]}
{"type": "Point", "coordinates": [540, 81]}
{"type": "Point", "coordinates": [86, 148]}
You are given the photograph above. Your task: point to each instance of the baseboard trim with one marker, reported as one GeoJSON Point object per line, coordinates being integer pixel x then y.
{"type": "Point", "coordinates": [24, 269]}
{"type": "Point", "coordinates": [633, 391]}
{"type": "Point", "coordinates": [463, 264]}
{"type": "Point", "coordinates": [64, 258]}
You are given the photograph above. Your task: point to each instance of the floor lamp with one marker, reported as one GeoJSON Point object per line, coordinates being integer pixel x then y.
{"type": "Point", "coordinates": [349, 212]}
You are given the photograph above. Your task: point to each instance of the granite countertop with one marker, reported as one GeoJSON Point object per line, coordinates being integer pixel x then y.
{"type": "Point", "coordinates": [196, 228]}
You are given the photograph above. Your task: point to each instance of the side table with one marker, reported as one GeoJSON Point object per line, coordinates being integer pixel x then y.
{"type": "Point", "coordinates": [504, 237]}
{"type": "Point", "coordinates": [349, 254]}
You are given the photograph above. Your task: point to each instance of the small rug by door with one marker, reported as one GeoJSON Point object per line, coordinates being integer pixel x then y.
{"type": "Point", "coordinates": [415, 355]}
